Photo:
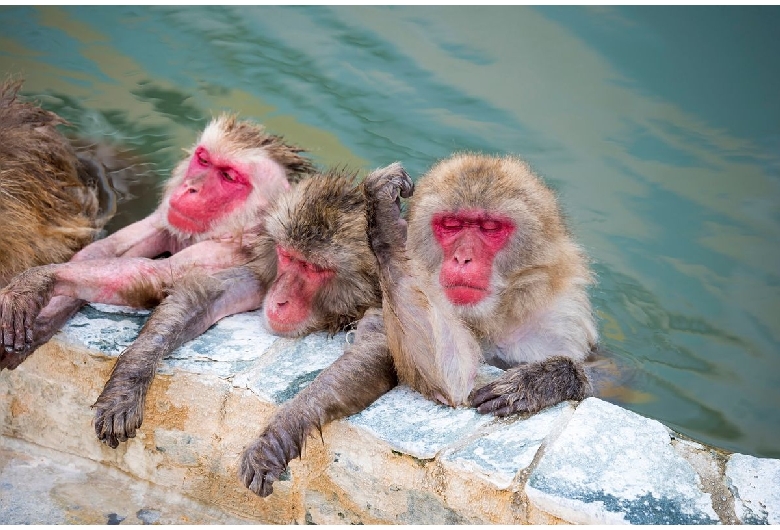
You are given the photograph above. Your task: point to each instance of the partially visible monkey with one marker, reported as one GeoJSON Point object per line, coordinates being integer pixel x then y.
{"type": "Point", "coordinates": [217, 192]}
{"type": "Point", "coordinates": [309, 265]}
{"type": "Point", "coordinates": [489, 272]}
{"type": "Point", "coordinates": [53, 199]}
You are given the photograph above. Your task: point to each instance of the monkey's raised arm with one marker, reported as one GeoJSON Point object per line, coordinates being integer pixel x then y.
{"type": "Point", "coordinates": [361, 375]}
{"type": "Point", "coordinates": [432, 349]}
{"type": "Point", "coordinates": [196, 303]}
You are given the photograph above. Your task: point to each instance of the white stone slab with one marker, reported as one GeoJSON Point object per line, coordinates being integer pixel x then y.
{"type": "Point", "coordinates": [755, 483]}
{"type": "Point", "coordinates": [612, 466]}
{"type": "Point", "coordinates": [231, 345]}
{"type": "Point", "coordinates": [500, 455]}
{"type": "Point", "coordinates": [292, 366]}
{"type": "Point", "coordinates": [105, 328]}
{"type": "Point", "coordinates": [414, 425]}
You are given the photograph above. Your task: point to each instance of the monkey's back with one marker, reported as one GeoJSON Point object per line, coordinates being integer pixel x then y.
{"type": "Point", "coordinates": [48, 212]}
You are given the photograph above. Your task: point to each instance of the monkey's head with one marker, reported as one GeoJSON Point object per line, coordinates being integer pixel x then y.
{"type": "Point", "coordinates": [233, 172]}
{"type": "Point", "coordinates": [475, 221]}
{"type": "Point", "coordinates": [326, 274]}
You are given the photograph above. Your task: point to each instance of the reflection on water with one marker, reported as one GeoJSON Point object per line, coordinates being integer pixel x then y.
{"type": "Point", "coordinates": [659, 127]}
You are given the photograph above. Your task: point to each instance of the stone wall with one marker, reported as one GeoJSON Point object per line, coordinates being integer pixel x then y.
{"type": "Point", "coordinates": [403, 460]}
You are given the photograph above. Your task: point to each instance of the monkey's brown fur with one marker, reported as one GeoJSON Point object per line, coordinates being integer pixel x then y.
{"type": "Point", "coordinates": [322, 218]}
{"type": "Point", "coordinates": [539, 279]}
{"type": "Point", "coordinates": [49, 200]}
{"type": "Point", "coordinates": [245, 135]}
{"type": "Point", "coordinates": [537, 319]}
{"type": "Point", "coordinates": [121, 267]}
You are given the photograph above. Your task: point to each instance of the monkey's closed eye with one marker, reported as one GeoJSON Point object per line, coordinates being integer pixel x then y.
{"type": "Point", "coordinates": [490, 225]}
{"type": "Point", "coordinates": [226, 175]}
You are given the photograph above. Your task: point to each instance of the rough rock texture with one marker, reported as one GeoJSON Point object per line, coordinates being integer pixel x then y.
{"type": "Point", "coordinates": [42, 486]}
{"type": "Point", "coordinates": [755, 483]}
{"type": "Point", "coordinates": [403, 460]}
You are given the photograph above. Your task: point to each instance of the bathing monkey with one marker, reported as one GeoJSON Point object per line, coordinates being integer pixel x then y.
{"type": "Point", "coordinates": [228, 178]}
{"type": "Point", "coordinates": [488, 273]}
{"type": "Point", "coordinates": [308, 265]}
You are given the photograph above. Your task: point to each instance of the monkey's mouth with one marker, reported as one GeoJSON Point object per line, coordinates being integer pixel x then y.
{"type": "Point", "coordinates": [465, 294]}
{"type": "Point", "coordinates": [184, 222]}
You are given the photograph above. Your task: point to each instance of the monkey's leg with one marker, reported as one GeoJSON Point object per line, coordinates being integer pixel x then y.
{"type": "Point", "coordinates": [432, 349]}
{"type": "Point", "coordinates": [529, 388]}
{"type": "Point", "coordinates": [195, 304]}
{"type": "Point", "coordinates": [362, 374]}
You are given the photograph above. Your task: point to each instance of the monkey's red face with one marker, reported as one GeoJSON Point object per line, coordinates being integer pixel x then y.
{"type": "Point", "coordinates": [470, 240]}
{"type": "Point", "coordinates": [212, 188]}
{"type": "Point", "coordinates": [289, 303]}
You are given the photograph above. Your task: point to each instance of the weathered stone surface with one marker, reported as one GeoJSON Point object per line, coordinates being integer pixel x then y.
{"type": "Point", "coordinates": [41, 486]}
{"type": "Point", "coordinates": [230, 346]}
{"type": "Point", "coordinates": [368, 482]}
{"type": "Point", "coordinates": [501, 454]}
{"type": "Point", "coordinates": [610, 465]}
{"type": "Point", "coordinates": [403, 460]}
{"type": "Point", "coordinates": [419, 427]}
{"type": "Point", "coordinates": [755, 483]}
{"type": "Point", "coordinates": [291, 366]}
{"type": "Point", "coordinates": [104, 328]}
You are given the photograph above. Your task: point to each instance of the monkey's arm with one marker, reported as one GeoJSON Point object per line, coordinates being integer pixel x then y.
{"type": "Point", "coordinates": [432, 349]}
{"type": "Point", "coordinates": [195, 303]}
{"type": "Point", "coordinates": [144, 238]}
{"type": "Point", "coordinates": [137, 282]}
{"type": "Point", "coordinates": [362, 374]}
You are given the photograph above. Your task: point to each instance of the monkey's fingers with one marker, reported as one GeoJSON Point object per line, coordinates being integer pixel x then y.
{"type": "Point", "coordinates": [255, 473]}
{"type": "Point", "coordinates": [388, 183]}
{"type": "Point", "coordinates": [105, 434]}
{"type": "Point", "coordinates": [29, 327]}
{"type": "Point", "coordinates": [19, 331]}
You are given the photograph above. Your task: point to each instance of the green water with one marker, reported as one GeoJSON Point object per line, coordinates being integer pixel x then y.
{"type": "Point", "coordinates": [659, 127]}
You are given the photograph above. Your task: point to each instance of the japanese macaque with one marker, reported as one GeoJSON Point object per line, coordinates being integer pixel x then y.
{"type": "Point", "coordinates": [53, 199]}
{"type": "Point", "coordinates": [228, 178]}
{"type": "Point", "coordinates": [488, 273]}
{"type": "Point", "coordinates": [309, 266]}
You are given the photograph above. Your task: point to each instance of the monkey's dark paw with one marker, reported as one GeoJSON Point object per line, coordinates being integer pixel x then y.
{"type": "Point", "coordinates": [20, 303]}
{"type": "Point", "coordinates": [261, 464]}
{"type": "Point", "coordinates": [529, 388]}
{"type": "Point", "coordinates": [117, 416]}
{"type": "Point", "coordinates": [499, 399]}
{"type": "Point", "coordinates": [389, 183]}
{"type": "Point", "coordinates": [9, 361]}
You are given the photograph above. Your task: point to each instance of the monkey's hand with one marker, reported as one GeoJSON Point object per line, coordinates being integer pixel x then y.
{"type": "Point", "coordinates": [119, 410]}
{"type": "Point", "coordinates": [267, 457]}
{"type": "Point", "coordinates": [383, 190]}
{"type": "Point", "coordinates": [20, 303]}
{"type": "Point", "coordinates": [529, 388]}
{"type": "Point", "coordinates": [389, 183]}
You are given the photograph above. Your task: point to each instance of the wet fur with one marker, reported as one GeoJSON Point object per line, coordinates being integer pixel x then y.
{"type": "Point", "coordinates": [225, 134]}
{"type": "Point", "coordinates": [322, 218]}
{"type": "Point", "coordinates": [50, 198]}
{"type": "Point", "coordinates": [538, 322]}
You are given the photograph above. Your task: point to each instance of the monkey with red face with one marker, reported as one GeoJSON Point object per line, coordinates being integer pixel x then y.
{"type": "Point", "coordinates": [308, 265]}
{"type": "Point", "coordinates": [231, 175]}
{"type": "Point", "coordinates": [489, 273]}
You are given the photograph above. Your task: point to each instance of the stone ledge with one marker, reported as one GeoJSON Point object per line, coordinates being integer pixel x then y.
{"type": "Point", "coordinates": [402, 460]}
